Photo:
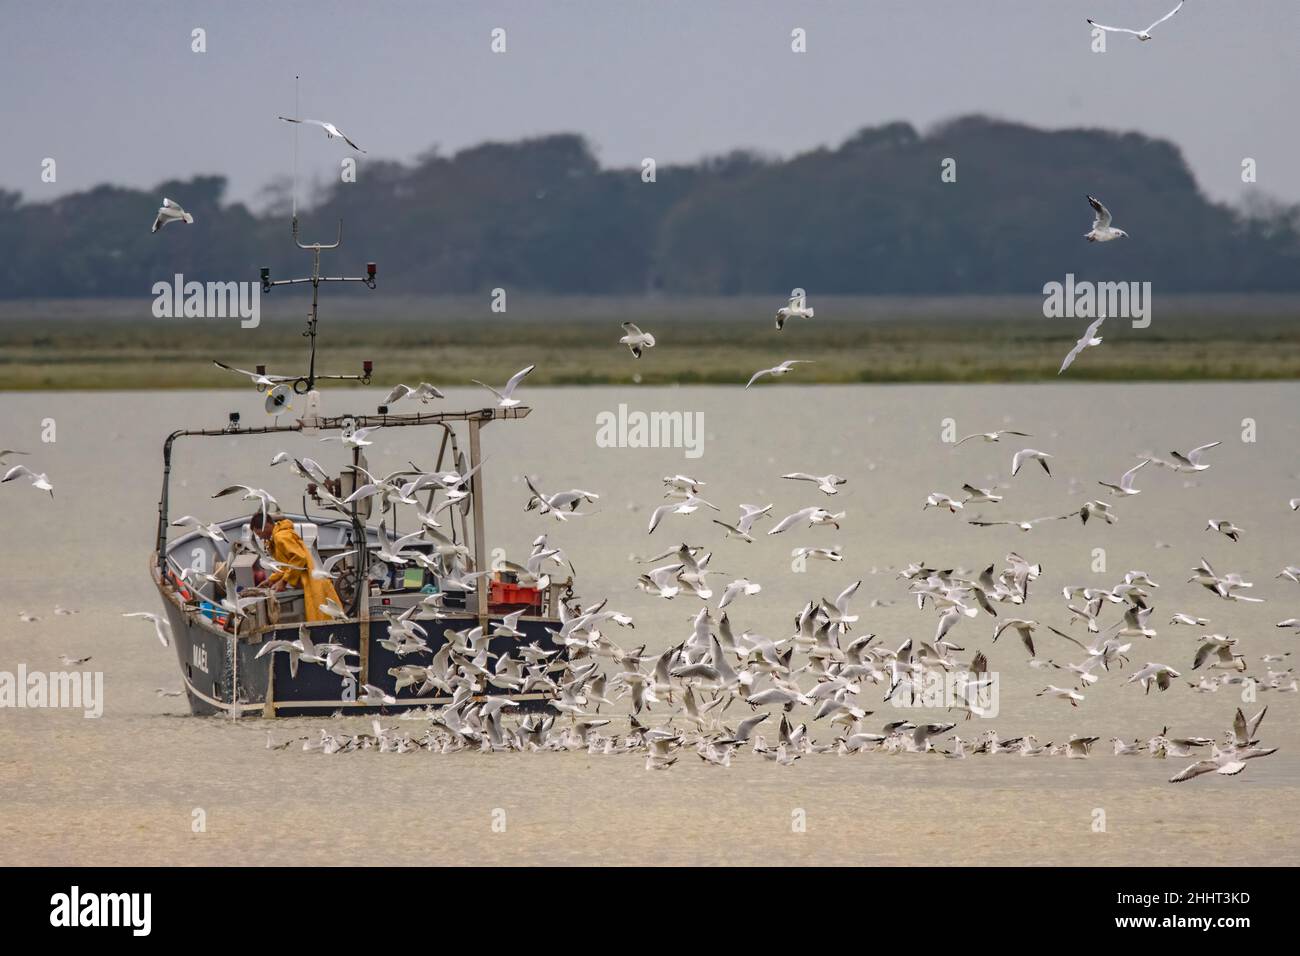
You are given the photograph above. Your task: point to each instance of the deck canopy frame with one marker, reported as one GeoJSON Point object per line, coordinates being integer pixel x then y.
{"type": "Point", "coordinates": [476, 419]}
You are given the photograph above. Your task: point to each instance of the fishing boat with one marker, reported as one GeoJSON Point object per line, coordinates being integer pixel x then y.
{"type": "Point", "coordinates": [221, 641]}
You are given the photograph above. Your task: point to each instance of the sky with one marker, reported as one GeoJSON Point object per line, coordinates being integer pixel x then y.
{"type": "Point", "coordinates": [114, 93]}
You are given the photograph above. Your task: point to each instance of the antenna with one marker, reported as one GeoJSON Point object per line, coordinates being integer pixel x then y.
{"type": "Point", "coordinates": [302, 384]}
{"type": "Point", "coordinates": [305, 383]}
{"type": "Point", "coordinates": [297, 114]}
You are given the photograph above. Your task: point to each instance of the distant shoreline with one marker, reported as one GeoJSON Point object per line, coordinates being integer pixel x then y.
{"type": "Point", "coordinates": [117, 344]}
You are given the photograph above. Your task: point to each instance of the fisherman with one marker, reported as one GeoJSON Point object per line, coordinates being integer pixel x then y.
{"type": "Point", "coordinates": [286, 547]}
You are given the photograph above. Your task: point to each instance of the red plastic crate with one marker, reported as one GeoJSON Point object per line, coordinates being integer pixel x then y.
{"type": "Point", "coordinates": [504, 592]}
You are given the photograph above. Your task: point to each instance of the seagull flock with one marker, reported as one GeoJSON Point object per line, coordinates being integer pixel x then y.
{"type": "Point", "coordinates": [721, 691]}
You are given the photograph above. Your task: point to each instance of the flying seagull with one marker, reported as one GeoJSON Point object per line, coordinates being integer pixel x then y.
{"type": "Point", "coordinates": [161, 627]}
{"type": "Point", "coordinates": [170, 212]}
{"type": "Point", "coordinates": [1102, 230]}
{"type": "Point", "coordinates": [1089, 339]}
{"type": "Point", "coordinates": [785, 368]}
{"type": "Point", "coordinates": [504, 397]}
{"type": "Point", "coordinates": [261, 380]}
{"type": "Point", "coordinates": [331, 131]}
{"type": "Point", "coordinates": [424, 392]}
{"type": "Point", "coordinates": [1140, 34]}
{"type": "Point", "coordinates": [636, 340]}
{"type": "Point", "coordinates": [40, 480]}
{"type": "Point", "coordinates": [826, 483]}
{"type": "Point", "coordinates": [1029, 454]}
{"type": "Point", "coordinates": [797, 309]}
{"type": "Point", "coordinates": [992, 436]}
{"type": "Point", "coordinates": [1125, 486]}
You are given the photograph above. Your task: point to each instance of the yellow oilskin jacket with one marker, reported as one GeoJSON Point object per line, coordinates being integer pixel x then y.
{"type": "Point", "coordinates": [288, 548]}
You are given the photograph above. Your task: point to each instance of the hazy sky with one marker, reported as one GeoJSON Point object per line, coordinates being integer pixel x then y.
{"type": "Point", "coordinates": [112, 91]}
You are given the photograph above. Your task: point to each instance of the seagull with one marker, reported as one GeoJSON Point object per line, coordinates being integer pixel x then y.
{"type": "Point", "coordinates": [975, 496]}
{"type": "Point", "coordinates": [1189, 619]}
{"type": "Point", "coordinates": [261, 380]}
{"type": "Point", "coordinates": [1143, 35]}
{"type": "Point", "coordinates": [1192, 460]}
{"type": "Point", "coordinates": [689, 506]}
{"type": "Point", "coordinates": [1078, 747]}
{"type": "Point", "coordinates": [373, 696]}
{"type": "Point", "coordinates": [736, 588]}
{"type": "Point", "coordinates": [504, 398]}
{"type": "Point", "coordinates": [331, 131]}
{"type": "Point", "coordinates": [1162, 675]}
{"type": "Point", "coordinates": [796, 309]}
{"type": "Point", "coordinates": [1102, 230]}
{"type": "Point", "coordinates": [821, 554]}
{"type": "Point", "coordinates": [812, 516]}
{"type": "Point", "coordinates": [784, 368]}
{"type": "Point", "coordinates": [825, 483]}
{"type": "Point", "coordinates": [636, 340]}
{"type": "Point", "coordinates": [1220, 647]}
{"type": "Point", "coordinates": [39, 480]}
{"type": "Point", "coordinates": [424, 392]}
{"type": "Point", "coordinates": [170, 212]}
{"type": "Point", "coordinates": [161, 627]}
{"type": "Point", "coordinates": [1225, 528]}
{"type": "Point", "coordinates": [1090, 338]}
{"type": "Point", "coordinates": [1025, 454]}
{"type": "Point", "coordinates": [1022, 627]}
{"type": "Point", "coordinates": [992, 436]}
{"type": "Point", "coordinates": [212, 532]}
{"type": "Point", "coordinates": [748, 515]}
{"type": "Point", "coordinates": [1062, 693]}
{"type": "Point", "coordinates": [937, 499]}
{"type": "Point", "coordinates": [269, 504]}
{"type": "Point", "coordinates": [1026, 525]}
{"type": "Point", "coordinates": [354, 439]}
{"type": "Point", "coordinates": [67, 661]}
{"type": "Point", "coordinates": [1125, 486]}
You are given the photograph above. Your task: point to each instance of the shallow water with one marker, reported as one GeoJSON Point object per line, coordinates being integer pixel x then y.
{"type": "Point", "coordinates": [124, 788]}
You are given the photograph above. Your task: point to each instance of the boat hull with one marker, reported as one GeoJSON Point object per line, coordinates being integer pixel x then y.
{"type": "Point", "coordinates": [224, 675]}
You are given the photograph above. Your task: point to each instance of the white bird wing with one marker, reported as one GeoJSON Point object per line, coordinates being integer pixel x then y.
{"type": "Point", "coordinates": [1069, 360]}
{"type": "Point", "coordinates": [1165, 17]}
{"type": "Point", "coordinates": [1194, 456]}
{"type": "Point", "coordinates": [657, 515]}
{"type": "Point", "coordinates": [755, 377]}
{"type": "Point", "coordinates": [1102, 26]}
{"type": "Point", "coordinates": [515, 379]}
{"type": "Point", "coordinates": [1195, 770]}
{"type": "Point", "coordinates": [253, 375]}
{"type": "Point", "coordinates": [791, 520]}
{"type": "Point", "coordinates": [1126, 480]}
{"type": "Point", "coordinates": [1103, 214]}
{"type": "Point", "coordinates": [398, 393]}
